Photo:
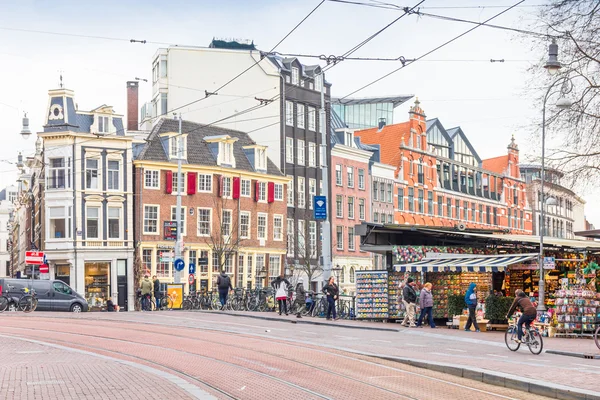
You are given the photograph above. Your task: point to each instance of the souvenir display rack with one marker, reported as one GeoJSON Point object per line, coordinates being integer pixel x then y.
{"type": "Point", "coordinates": [576, 311]}
{"type": "Point", "coordinates": [456, 283]}
{"type": "Point", "coordinates": [372, 295]}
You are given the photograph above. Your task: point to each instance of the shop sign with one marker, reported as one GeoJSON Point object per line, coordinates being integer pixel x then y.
{"type": "Point", "coordinates": [34, 257]}
{"type": "Point", "coordinates": [170, 230]}
{"type": "Point", "coordinates": [166, 256]}
{"type": "Point", "coordinates": [203, 261]}
{"type": "Point", "coordinates": [549, 263]}
{"type": "Point", "coordinates": [523, 267]}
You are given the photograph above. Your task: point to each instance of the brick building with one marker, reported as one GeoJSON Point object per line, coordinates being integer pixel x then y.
{"type": "Point", "coordinates": [440, 180]}
{"type": "Point", "coordinates": [229, 186]}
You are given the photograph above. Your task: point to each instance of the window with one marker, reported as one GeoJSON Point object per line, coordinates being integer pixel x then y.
{"type": "Point", "coordinates": [240, 270]}
{"type": "Point", "coordinates": [300, 118]}
{"type": "Point", "coordinates": [319, 82]}
{"type": "Point", "coordinates": [361, 209]}
{"type": "Point", "coordinates": [289, 113]}
{"type": "Point", "coordinates": [204, 221]}
{"type": "Point", "coordinates": [375, 190]}
{"type": "Point", "coordinates": [350, 171]}
{"type": "Point", "coordinates": [205, 183]}
{"type": "Point", "coordinates": [290, 237]}
{"type": "Point", "coordinates": [457, 204]}
{"type": "Point", "coordinates": [312, 119]}
{"type": "Point", "coordinates": [163, 269]}
{"type": "Point", "coordinates": [401, 198]}
{"type": "Point", "coordinates": [381, 192]}
{"type": "Point", "coordinates": [245, 188]}
{"type": "Point", "coordinates": [150, 219]}
{"type": "Point", "coordinates": [174, 217]}
{"type": "Point", "coordinates": [421, 208]}
{"type": "Point", "coordinates": [361, 179]}
{"type": "Point", "coordinates": [473, 211]}
{"type": "Point", "coordinates": [262, 226]}
{"type": "Point", "coordinates": [151, 179]}
{"type": "Point", "coordinates": [164, 103]}
{"type": "Point", "coordinates": [351, 207]}
{"type": "Point", "coordinates": [390, 218]}
{"type": "Point", "coordinates": [302, 238]}
{"type": "Point", "coordinates": [274, 266]}
{"type": "Point", "coordinates": [338, 206]}
{"type": "Point", "coordinates": [465, 215]}
{"type": "Point", "coordinates": [147, 260]}
{"type": "Point", "coordinates": [244, 225]}
{"type": "Point", "coordinates": [91, 173]}
{"type": "Point", "coordinates": [312, 191]}
{"type": "Point", "coordinates": [277, 227]}
{"type": "Point", "coordinates": [301, 192]}
{"type": "Point", "coordinates": [290, 192]}
{"type": "Point", "coordinates": [440, 206]}
{"type": "Point", "coordinates": [260, 162]}
{"type": "Point", "coordinates": [312, 154]}
{"type": "Point", "coordinates": [516, 196]}
{"type": "Point", "coordinates": [376, 217]}
{"type": "Point", "coordinates": [226, 186]}
{"type": "Point", "coordinates": [481, 213]}
{"type": "Point", "coordinates": [262, 191]}
{"type": "Point", "coordinates": [177, 145]}
{"type": "Point", "coordinates": [226, 222]}
{"type": "Point", "coordinates": [113, 175]}
{"type": "Point", "coordinates": [338, 174]}
{"type": "Point", "coordinates": [411, 199]}
{"type": "Point", "coordinates": [312, 239]}
{"type": "Point", "coordinates": [289, 150]}
{"type": "Point", "coordinates": [295, 76]}
{"type": "Point", "coordinates": [177, 188]}
{"type": "Point", "coordinates": [430, 203]}
{"type": "Point", "coordinates": [114, 222]}
{"type": "Point", "coordinates": [103, 126]}
{"type": "Point", "coordinates": [278, 191]}
{"type": "Point", "coordinates": [216, 262]}
{"type": "Point", "coordinates": [449, 208]}
{"type": "Point", "coordinates": [339, 232]}
{"type": "Point", "coordinates": [92, 217]}
{"type": "Point", "coordinates": [351, 244]}
{"type": "Point", "coordinates": [389, 197]}
{"type": "Point", "coordinates": [301, 151]}
{"type": "Point", "coordinates": [420, 175]}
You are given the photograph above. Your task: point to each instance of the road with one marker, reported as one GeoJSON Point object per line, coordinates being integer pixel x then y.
{"type": "Point", "coordinates": [194, 355]}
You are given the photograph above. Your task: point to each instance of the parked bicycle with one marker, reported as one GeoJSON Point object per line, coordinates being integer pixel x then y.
{"type": "Point", "coordinates": [27, 302]}
{"type": "Point", "coordinates": [597, 334]}
{"type": "Point", "coordinates": [144, 303]}
{"type": "Point", "coordinates": [531, 337]}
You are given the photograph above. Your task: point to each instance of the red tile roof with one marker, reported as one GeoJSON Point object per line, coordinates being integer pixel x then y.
{"type": "Point", "coordinates": [496, 164]}
{"type": "Point", "coordinates": [389, 140]}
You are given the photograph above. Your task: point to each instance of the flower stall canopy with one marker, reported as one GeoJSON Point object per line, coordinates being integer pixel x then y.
{"type": "Point", "coordinates": [462, 264]}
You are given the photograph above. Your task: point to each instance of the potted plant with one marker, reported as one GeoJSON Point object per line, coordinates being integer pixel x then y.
{"type": "Point", "coordinates": [496, 308]}
{"type": "Point", "coordinates": [456, 304]}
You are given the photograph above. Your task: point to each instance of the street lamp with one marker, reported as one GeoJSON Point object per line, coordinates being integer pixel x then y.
{"type": "Point", "coordinates": [25, 132]}
{"type": "Point", "coordinates": [552, 66]}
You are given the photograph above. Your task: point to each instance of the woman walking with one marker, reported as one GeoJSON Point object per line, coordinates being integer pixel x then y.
{"type": "Point", "coordinates": [300, 301]}
{"type": "Point", "coordinates": [426, 302]}
{"type": "Point", "coordinates": [471, 300]}
{"type": "Point", "coordinates": [280, 284]}
{"type": "Point", "coordinates": [332, 291]}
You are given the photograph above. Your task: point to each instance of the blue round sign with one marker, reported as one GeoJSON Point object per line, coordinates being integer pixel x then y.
{"type": "Point", "coordinates": [179, 264]}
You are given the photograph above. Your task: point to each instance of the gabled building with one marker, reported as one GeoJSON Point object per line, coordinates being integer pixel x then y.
{"type": "Point", "coordinates": [88, 200]}
{"type": "Point", "coordinates": [234, 209]}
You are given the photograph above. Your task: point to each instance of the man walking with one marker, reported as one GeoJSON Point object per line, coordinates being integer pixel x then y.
{"type": "Point", "coordinates": [146, 287]}
{"type": "Point", "coordinates": [300, 299]}
{"type": "Point", "coordinates": [157, 296]}
{"type": "Point", "coordinates": [224, 286]}
{"type": "Point", "coordinates": [409, 298]}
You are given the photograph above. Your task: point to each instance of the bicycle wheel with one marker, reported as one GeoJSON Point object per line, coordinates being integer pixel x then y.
{"type": "Point", "coordinates": [166, 302]}
{"type": "Point", "coordinates": [35, 303]}
{"type": "Point", "coordinates": [535, 342]}
{"type": "Point", "coordinates": [509, 338]}
{"type": "Point", "coordinates": [597, 336]}
{"type": "Point", "coordinates": [26, 304]}
{"type": "Point", "coordinates": [187, 305]}
{"type": "Point", "coordinates": [4, 304]}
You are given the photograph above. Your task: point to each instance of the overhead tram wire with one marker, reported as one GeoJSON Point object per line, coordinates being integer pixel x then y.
{"type": "Point", "coordinates": [433, 50]}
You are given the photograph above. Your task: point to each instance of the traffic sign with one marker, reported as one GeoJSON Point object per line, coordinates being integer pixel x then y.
{"type": "Point", "coordinates": [191, 279]}
{"type": "Point", "coordinates": [192, 268]}
{"type": "Point", "coordinates": [34, 257]}
{"type": "Point", "coordinates": [179, 264]}
{"type": "Point", "coordinates": [549, 262]}
{"type": "Point", "coordinates": [44, 269]}
{"type": "Point", "coordinates": [320, 207]}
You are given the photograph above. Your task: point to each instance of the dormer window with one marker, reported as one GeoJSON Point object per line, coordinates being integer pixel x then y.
{"type": "Point", "coordinates": [103, 125]}
{"type": "Point", "coordinates": [260, 159]}
{"type": "Point", "coordinates": [349, 139]}
{"type": "Point", "coordinates": [226, 153]}
{"type": "Point", "coordinates": [222, 149]}
{"type": "Point", "coordinates": [295, 76]}
{"type": "Point", "coordinates": [174, 145]}
{"type": "Point", "coordinates": [318, 82]}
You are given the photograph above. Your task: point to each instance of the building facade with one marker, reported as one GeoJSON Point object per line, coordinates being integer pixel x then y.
{"type": "Point", "coordinates": [441, 181]}
{"type": "Point", "coordinates": [88, 201]}
{"type": "Point", "coordinates": [368, 112]}
{"type": "Point", "coordinates": [234, 210]}
{"type": "Point", "coordinates": [6, 209]}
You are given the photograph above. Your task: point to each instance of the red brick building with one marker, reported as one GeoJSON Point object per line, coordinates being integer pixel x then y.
{"type": "Point", "coordinates": [442, 181]}
{"type": "Point", "coordinates": [233, 205]}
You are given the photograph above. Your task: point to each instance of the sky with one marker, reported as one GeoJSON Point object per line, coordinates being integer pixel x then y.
{"type": "Point", "coordinates": [457, 84]}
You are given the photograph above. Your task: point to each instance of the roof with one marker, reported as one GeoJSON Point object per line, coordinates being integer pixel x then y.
{"type": "Point", "coordinates": [198, 150]}
{"type": "Point", "coordinates": [231, 44]}
{"type": "Point", "coordinates": [457, 131]}
{"type": "Point", "coordinates": [389, 138]}
{"type": "Point", "coordinates": [457, 263]}
{"type": "Point", "coordinates": [396, 100]}
{"type": "Point", "coordinates": [538, 167]}
{"type": "Point", "coordinates": [497, 164]}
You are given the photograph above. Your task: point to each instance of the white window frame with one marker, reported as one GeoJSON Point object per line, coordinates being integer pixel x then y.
{"type": "Point", "coordinates": [301, 152]}
{"type": "Point", "coordinates": [312, 192]}
{"type": "Point", "coordinates": [226, 232]}
{"type": "Point", "coordinates": [184, 219]}
{"type": "Point", "coordinates": [110, 175]}
{"type": "Point", "coordinates": [302, 238]}
{"type": "Point", "coordinates": [262, 233]}
{"type": "Point", "coordinates": [312, 119]}
{"type": "Point", "coordinates": [339, 180]}
{"type": "Point", "coordinates": [245, 188]}
{"type": "Point", "coordinates": [103, 124]}
{"type": "Point", "coordinates": [339, 206]}
{"type": "Point", "coordinates": [361, 209]}
{"type": "Point", "coordinates": [262, 192]}
{"type": "Point", "coordinates": [318, 82]}
{"type": "Point", "coordinates": [289, 113]}
{"type": "Point", "coordinates": [351, 209]}
{"type": "Point", "coordinates": [205, 183]}
{"type": "Point", "coordinates": [54, 174]}
{"type": "Point", "coordinates": [174, 142]}
{"type": "Point", "coordinates": [248, 225]}
{"type": "Point", "coordinates": [312, 154]}
{"type": "Point", "coordinates": [300, 116]}
{"type": "Point", "coordinates": [119, 220]}
{"type": "Point", "coordinates": [290, 191]}
{"type": "Point", "coordinates": [66, 216]}
{"type": "Point", "coordinates": [312, 238]}
{"type": "Point", "coordinates": [295, 76]}
{"type": "Point", "coordinates": [361, 179]}
{"type": "Point", "coordinates": [98, 181]}
{"type": "Point", "coordinates": [227, 189]}
{"type": "Point", "coordinates": [339, 236]}
{"type": "Point", "coordinates": [289, 150]}
{"type": "Point", "coordinates": [350, 176]}
{"type": "Point", "coordinates": [151, 179]}
{"type": "Point", "coordinates": [260, 159]}
{"type": "Point", "coordinates": [351, 239]}
{"type": "Point", "coordinates": [200, 212]}
{"type": "Point", "coordinates": [301, 192]}
{"type": "Point", "coordinates": [147, 232]}
{"type": "Point", "coordinates": [98, 221]}
{"type": "Point", "coordinates": [278, 192]}
{"type": "Point", "coordinates": [176, 187]}
{"type": "Point", "coordinates": [291, 233]}
{"type": "Point", "coordinates": [278, 228]}
{"type": "Point", "coordinates": [272, 264]}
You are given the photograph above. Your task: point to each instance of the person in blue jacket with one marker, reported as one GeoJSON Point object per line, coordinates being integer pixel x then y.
{"type": "Point", "coordinates": [471, 300]}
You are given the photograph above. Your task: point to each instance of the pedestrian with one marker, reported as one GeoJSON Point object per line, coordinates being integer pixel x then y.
{"type": "Point", "coordinates": [157, 296]}
{"type": "Point", "coordinates": [300, 301]}
{"type": "Point", "coordinates": [471, 300]}
{"type": "Point", "coordinates": [426, 303]}
{"type": "Point", "coordinates": [146, 287]}
{"type": "Point", "coordinates": [409, 299]}
{"type": "Point", "coordinates": [223, 286]}
{"type": "Point", "coordinates": [281, 286]}
{"type": "Point", "coordinates": [332, 291]}
{"type": "Point", "coordinates": [110, 306]}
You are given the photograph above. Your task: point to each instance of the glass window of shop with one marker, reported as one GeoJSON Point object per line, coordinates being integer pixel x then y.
{"type": "Point", "coordinates": [97, 284]}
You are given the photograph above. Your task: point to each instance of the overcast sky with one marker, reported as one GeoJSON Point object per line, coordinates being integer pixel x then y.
{"type": "Point", "coordinates": [457, 84]}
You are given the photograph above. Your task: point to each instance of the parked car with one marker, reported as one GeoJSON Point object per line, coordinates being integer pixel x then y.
{"type": "Point", "coordinates": [52, 295]}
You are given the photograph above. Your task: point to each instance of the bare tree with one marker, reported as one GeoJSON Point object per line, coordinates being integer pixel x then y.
{"type": "Point", "coordinates": [307, 263]}
{"type": "Point", "coordinates": [575, 25]}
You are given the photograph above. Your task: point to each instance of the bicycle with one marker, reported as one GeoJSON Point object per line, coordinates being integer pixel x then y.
{"type": "Point", "coordinates": [597, 334]}
{"type": "Point", "coordinates": [531, 337]}
{"type": "Point", "coordinates": [26, 302]}
{"type": "Point", "coordinates": [146, 304]}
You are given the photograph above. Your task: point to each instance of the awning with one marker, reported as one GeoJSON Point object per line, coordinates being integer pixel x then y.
{"type": "Point", "coordinates": [460, 264]}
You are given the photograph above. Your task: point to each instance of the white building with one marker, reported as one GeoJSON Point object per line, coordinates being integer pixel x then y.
{"type": "Point", "coordinates": [6, 208]}
{"type": "Point", "coordinates": [88, 201]}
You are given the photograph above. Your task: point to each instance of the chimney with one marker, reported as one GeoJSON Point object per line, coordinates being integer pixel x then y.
{"type": "Point", "coordinates": [132, 106]}
{"type": "Point", "coordinates": [381, 123]}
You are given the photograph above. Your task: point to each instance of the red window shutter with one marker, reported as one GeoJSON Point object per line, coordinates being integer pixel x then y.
{"type": "Point", "coordinates": [169, 184]}
{"type": "Point", "coordinates": [271, 193]}
{"type": "Point", "coordinates": [220, 190]}
{"type": "Point", "coordinates": [236, 188]}
{"type": "Point", "coordinates": [256, 190]}
{"type": "Point", "coordinates": [192, 178]}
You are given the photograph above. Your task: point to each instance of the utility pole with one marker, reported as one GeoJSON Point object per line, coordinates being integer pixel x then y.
{"type": "Point", "coordinates": [326, 242]}
{"type": "Point", "coordinates": [178, 209]}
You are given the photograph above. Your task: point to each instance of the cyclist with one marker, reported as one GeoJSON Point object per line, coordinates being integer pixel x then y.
{"type": "Point", "coordinates": [528, 310]}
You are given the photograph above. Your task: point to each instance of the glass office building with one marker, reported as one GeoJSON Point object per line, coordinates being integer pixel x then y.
{"type": "Point", "coordinates": [367, 112]}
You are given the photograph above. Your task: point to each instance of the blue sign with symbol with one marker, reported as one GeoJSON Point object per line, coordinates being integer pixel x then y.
{"type": "Point", "coordinates": [192, 268]}
{"type": "Point", "coordinates": [320, 207]}
{"type": "Point", "coordinates": [179, 264]}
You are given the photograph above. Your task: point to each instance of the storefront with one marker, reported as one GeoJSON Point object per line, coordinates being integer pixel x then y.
{"type": "Point", "coordinates": [97, 284]}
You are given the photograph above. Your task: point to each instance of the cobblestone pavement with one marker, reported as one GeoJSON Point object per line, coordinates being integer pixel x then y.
{"type": "Point", "coordinates": [229, 357]}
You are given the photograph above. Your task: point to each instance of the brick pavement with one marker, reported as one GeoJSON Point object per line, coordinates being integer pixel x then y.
{"type": "Point", "coordinates": [245, 364]}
